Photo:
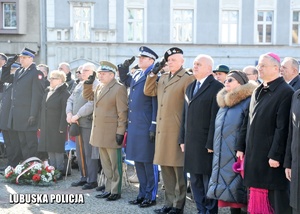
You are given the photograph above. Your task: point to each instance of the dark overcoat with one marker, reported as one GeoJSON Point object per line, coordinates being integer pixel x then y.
{"type": "Point", "coordinates": [292, 154]}
{"type": "Point", "coordinates": [142, 112]}
{"type": "Point", "coordinates": [5, 106]}
{"type": "Point", "coordinates": [27, 93]}
{"type": "Point", "coordinates": [267, 135]}
{"type": "Point", "coordinates": [198, 126]}
{"type": "Point", "coordinates": [295, 83]}
{"type": "Point", "coordinates": [53, 120]}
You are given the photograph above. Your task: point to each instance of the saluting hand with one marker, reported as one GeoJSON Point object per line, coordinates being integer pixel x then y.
{"type": "Point", "coordinates": [158, 66]}
{"type": "Point", "coordinates": [91, 79]}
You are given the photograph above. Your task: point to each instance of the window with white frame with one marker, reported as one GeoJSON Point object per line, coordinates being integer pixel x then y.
{"type": "Point", "coordinates": [229, 26]}
{"type": "Point", "coordinates": [81, 23]}
{"type": "Point", "coordinates": [182, 21]}
{"type": "Point", "coordinates": [9, 16]}
{"type": "Point", "coordinates": [264, 26]}
{"type": "Point", "coordinates": [135, 24]}
{"type": "Point", "coordinates": [13, 15]}
{"type": "Point", "coordinates": [135, 19]}
{"type": "Point", "coordinates": [296, 28]}
{"type": "Point", "coordinates": [183, 25]}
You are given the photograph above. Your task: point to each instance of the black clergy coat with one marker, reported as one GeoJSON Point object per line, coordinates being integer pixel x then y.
{"type": "Point", "coordinates": [267, 135]}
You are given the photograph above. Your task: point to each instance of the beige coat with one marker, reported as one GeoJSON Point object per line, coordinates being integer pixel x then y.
{"type": "Point", "coordinates": [170, 97]}
{"type": "Point", "coordinates": [110, 113]}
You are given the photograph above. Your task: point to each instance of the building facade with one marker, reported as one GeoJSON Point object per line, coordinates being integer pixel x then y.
{"type": "Point", "coordinates": [20, 26]}
{"type": "Point", "coordinates": [233, 32]}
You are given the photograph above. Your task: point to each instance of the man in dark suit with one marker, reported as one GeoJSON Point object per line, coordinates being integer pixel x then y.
{"type": "Point", "coordinates": [290, 72]}
{"type": "Point", "coordinates": [197, 131]}
{"type": "Point", "coordinates": [141, 127]}
{"type": "Point", "coordinates": [27, 93]}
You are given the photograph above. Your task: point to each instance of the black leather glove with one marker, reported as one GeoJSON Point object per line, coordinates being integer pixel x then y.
{"type": "Point", "coordinates": [152, 137]}
{"type": "Point", "coordinates": [31, 121]}
{"type": "Point", "coordinates": [119, 139]}
{"type": "Point", "coordinates": [90, 79]}
{"type": "Point", "coordinates": [128, 62]}
{"type": "Point", "coordinates": [11, 60]}
{"type": "Point", "coordinates": [158, 66]}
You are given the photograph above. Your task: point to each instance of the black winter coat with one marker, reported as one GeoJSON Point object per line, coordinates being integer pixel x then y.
{"type": "Point", "coordinates": [295, 83]}
{"type": "Point", "coordinates": [27, 93]}
{"type": "Point", "coordinates": [292, 154]}
{"type": "Point", "coordinates": [5, 106]}
{"type": "Point", "coordinates": [198, 126]}
{"type": "Point", "coordinates": [267, 135]}
{"type": "Point", "coordinates": [53, 120]}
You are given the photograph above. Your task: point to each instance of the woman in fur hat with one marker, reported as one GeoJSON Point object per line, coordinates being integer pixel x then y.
{"type": "Point", "coordinates": [230, 129]}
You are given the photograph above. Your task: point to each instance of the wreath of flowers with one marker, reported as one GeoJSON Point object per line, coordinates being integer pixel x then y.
{"type": "Point", "coordinates": [32, 172]}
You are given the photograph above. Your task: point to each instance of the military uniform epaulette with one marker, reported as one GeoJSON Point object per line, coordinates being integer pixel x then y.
{"type": "Point", "coordinates": [166, 73]}
{"type": "Point", "coordinates": [189, 73]}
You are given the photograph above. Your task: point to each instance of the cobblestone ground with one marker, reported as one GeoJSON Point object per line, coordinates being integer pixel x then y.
{"type": "Point", "coordinates": [91, 204]}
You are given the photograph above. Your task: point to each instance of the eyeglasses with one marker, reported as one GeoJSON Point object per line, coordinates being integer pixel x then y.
{"type": "Point", "coordinates": [249, 74]}
{"type": "Point", "coordinates": [263, 66]}
{"type": "Point", "coordinates": [78, 72]}
{"type": "Point", "coordinates": [229, 80]}
{"type": "Point", "coordinates": [53, 78]}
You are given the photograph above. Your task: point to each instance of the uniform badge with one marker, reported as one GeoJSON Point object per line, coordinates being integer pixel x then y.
{"type": "Point", "coordinates": [40, 76]}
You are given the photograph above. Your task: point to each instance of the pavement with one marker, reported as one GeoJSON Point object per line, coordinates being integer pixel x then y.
{"type": "Point", "coordinates": [52, 199]}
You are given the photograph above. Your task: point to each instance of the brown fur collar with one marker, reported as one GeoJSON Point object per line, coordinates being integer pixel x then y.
{"type": "Point", "coordinates": [236, 96]}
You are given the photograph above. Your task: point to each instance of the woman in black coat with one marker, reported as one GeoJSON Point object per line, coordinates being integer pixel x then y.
{"type": "Point", "coordinates": [53, 120]}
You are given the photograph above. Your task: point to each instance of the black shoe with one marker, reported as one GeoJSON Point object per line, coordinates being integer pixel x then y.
{"type": "Point", "coordinates": [91, 185]}
{"type": "Point", "coordinates": [136, 201]}
{"type": "Point", "coordinates": [113, 197]}
{"type": "Point", "coordinates": [78, 183]}
{"type": "Point", "coordinates": [147, 203]}
{"type": "Point", "coordinates": [100, 188]}
{"type": "Point", "coordinates": [175, 210]}
{"type": "Point", "coordinates": [163, 210]}
{"type": "Point", "coordinates": [103, 195]}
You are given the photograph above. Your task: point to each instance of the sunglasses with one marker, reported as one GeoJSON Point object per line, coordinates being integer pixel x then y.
{"type": "Point", "coordinates": [78, 72]}
{"type": "Point", "coordinates": [229, 80]}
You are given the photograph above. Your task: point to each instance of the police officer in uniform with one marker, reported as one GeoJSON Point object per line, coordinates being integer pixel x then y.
{"type": "Point", "coordinates": [27, 94]}
{"type": "Point", "coordinates": [141, 127]}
